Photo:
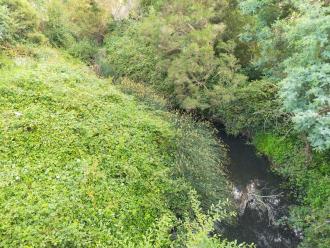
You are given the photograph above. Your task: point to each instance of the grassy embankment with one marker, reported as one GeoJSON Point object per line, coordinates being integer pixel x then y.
{"type": "Point", "coordinates": [84, 165]}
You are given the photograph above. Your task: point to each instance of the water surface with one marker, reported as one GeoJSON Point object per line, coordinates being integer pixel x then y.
{"type": "Point", "coordinates": [249, 171]}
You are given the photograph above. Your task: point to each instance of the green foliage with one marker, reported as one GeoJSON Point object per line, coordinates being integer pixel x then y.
{"type": "Point", "coordinates": [85, 165]}
{"type": "Point", "coordinates": [294, 44]}
{"type": "Point", "coordinates": [195, 232]}
{"type": "Point", "coordinates": [186, 52]}
{"type": "Point", "coordinates": [199, 157]}
{"type": "Point", "coordinates": [285, 153]}
{"type": "Point", "coordinates": [306, 89]}
{"type": "Point", "coordinates": [17, 20]}
{"type": "Point", "coordinates": [56, 27]}
{"type": "Point", "coordinates": [249, 108]}
{"type": "Point", "coordinates": [81, 164]}
{"type": "Point", "coordinates": [144, 94]}
{"type": "Point", "coordinates": [128, 55]}
{"type": "Point", "coordinates": [77, 26]}
{"type": "Point", "coordinates": [179, 51]}
{"type": "Point", "coordinates": [185, 38]}
{"type": "Point", "coordinates": [306, 93]}
{"type": "Point", "coordinates": [310, 176]}
{"type": "Point", "coordinates": [153, 4]}
{"type": "Point", "coordinates": [293, 41]}
{"type": "Point", "coordinates": [85, 50]}
{"type": "Point", "coordinates": [5, 24]}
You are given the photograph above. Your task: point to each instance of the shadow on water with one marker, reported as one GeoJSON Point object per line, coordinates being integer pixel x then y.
{"type": "Point", "coordinates": [260, 200]}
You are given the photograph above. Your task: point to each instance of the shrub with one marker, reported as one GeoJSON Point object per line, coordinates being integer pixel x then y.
{"type": "Point", "coordinates": [17, 20]}
{"type": "Point", "coordinates": [80, 21]}
{"type": "Point", "coordinates": [128, 55]}
{"type": "Point", "coordinates": [57, 27]}
{"type": "Point", "coordinates": [85, 50]}
{"type": "Point", "coordinates": [37, 38]}
{"type": "Point", "coordinates": [249, 108]}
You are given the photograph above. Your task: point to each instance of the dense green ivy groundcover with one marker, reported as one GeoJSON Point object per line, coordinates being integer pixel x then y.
{"type": "Point", "coordinates": [82, 165]}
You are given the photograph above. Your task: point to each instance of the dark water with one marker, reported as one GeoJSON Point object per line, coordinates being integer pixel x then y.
{"type": "Point", "coordinates": [258, 221]}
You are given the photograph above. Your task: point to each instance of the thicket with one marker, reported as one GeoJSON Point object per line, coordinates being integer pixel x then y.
{"type": "Point", "coordinates": [293, 39]}
{"type": "Point", "coordinates": [257, 66]}
{"type": "Point", "coordinates": [186, 51]}
{"type": "Point", "coordinates": [260, 67]}
{"type": "Point", "coordinates": [79, 26]}
{"type": "Point", "coordinates": [294, 47]}
{"type": "Point", "coordinates": [85, 165]}
{"type": "Point", "coordinates": [18, 22]}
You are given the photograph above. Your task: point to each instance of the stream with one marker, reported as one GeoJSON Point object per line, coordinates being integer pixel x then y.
{"type": "Point", "coordinates": [260, 201]}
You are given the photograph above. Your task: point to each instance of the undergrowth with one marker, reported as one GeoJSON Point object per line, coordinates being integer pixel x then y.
{"type": "Point", "coordinates": [309, 177]}
{"type": "Point", "coordinates": [84, 165]}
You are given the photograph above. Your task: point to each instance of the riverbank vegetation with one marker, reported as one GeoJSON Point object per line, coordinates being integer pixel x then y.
{"type": "Point", "coordinates": [90, 161]}
{"type": "Point", "coordinates": [260, 67]}
{"type": "Point", "coordinates": [85, 165]}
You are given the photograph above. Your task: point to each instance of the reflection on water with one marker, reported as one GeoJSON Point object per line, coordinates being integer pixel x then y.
{"type": "Point", "coordinates": [260, 200]}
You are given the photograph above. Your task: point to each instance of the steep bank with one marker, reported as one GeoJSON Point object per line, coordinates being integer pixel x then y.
{"type": "Point", "coordinates": [307, 176]}
{"type": "Point", "coordinates": [259, 66]}
{"type": "Point", "coordinates": [248, 70]}
{"type": "Point", "coordinates": [83, 164]}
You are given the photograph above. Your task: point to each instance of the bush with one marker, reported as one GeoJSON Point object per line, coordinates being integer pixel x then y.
{"type": "Point", "coordinates": [128, 55]}
{"type": "Point", "coordinates": [249, 108]}
{"type": "Point", "coordinates": [37, 38]}
{"type": "Point", "coordinates": [69, 22]}
{"type": "Point", "coordinates": [17, 20]}
{"type": "Point", "coordinates": [57, 27]}
{"type": "Point", "coordinates": [85, 50]}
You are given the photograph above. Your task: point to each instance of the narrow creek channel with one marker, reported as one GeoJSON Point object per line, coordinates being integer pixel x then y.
{"type": "Point", "coordinates": [259, 197]}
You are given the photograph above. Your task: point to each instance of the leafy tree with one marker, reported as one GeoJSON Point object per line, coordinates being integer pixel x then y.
{"type": "Point", "coordinates": [180, 44]}
{"type": "Point", "coordinates": [294, 50]}
{"type": "Point", "coordinates": [306, 93]}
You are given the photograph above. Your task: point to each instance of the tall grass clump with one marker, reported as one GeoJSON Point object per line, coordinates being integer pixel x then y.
{"type": "Point", "coordinates": [199, 157]}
